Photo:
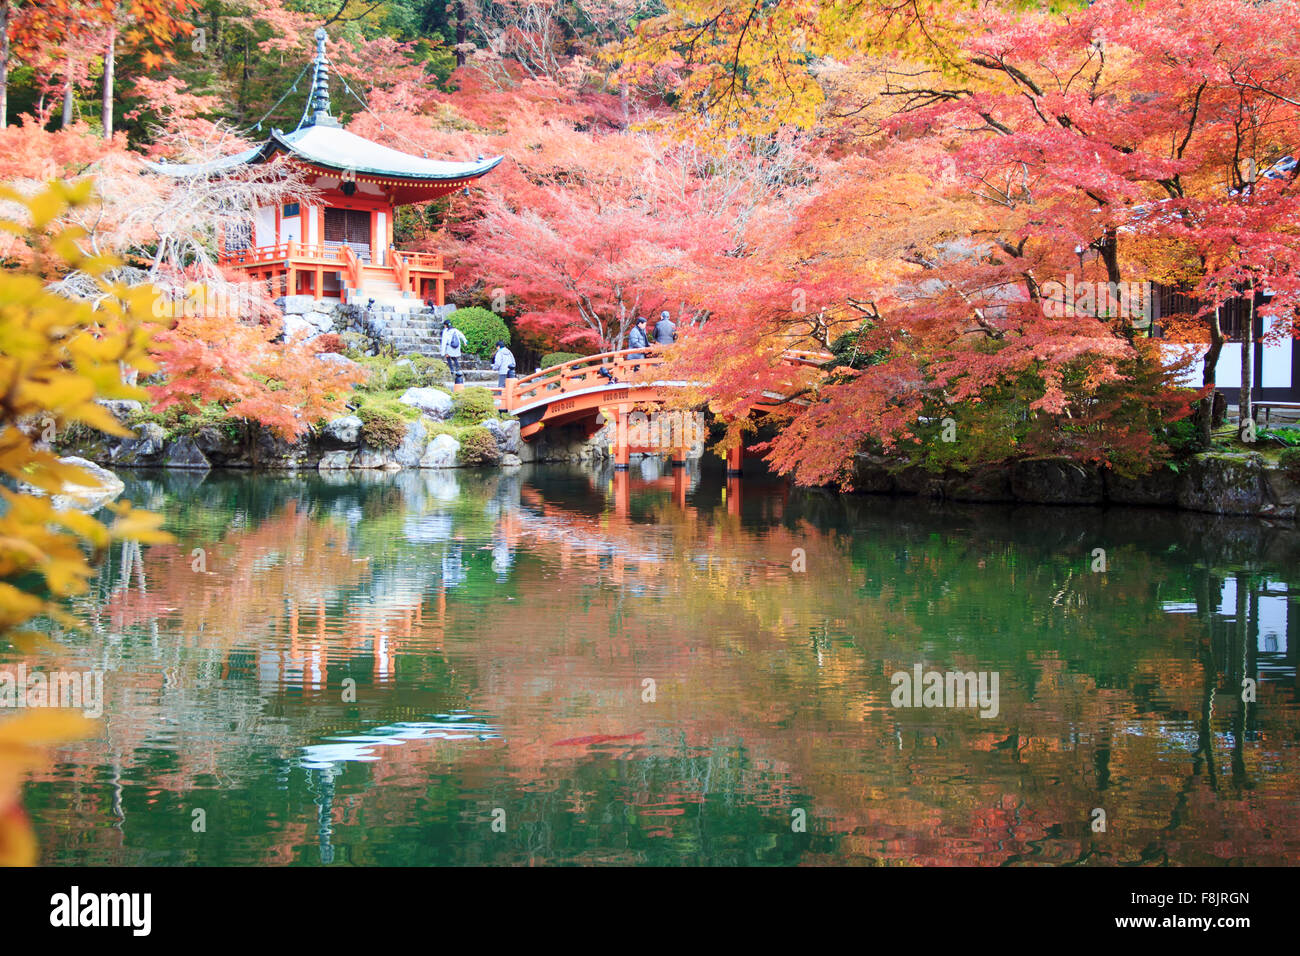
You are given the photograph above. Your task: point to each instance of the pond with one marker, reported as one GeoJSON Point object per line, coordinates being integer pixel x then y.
{"type": "Point", "coordinates": [560, 665]}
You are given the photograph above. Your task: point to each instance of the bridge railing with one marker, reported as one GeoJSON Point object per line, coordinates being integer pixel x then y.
{"type": "Point", "coordinates": [606, 368]}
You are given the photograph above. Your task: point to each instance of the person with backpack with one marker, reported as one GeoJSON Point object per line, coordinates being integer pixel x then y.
{"type": "Point", "coordinates": [665, 330]}
{"type": "Point", "coordinates": [453, 340]}
{"type": "Point", "coordinates": [504, 363]}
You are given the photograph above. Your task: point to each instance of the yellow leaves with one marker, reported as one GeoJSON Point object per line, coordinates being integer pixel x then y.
{"type": "Point", "coordinates": [57, 356]}
{"type": "Point", "coordinates": [17, 842]}
{"type": "Point", "coordinates": [137, 524]}
{"type": "Point", "coordinates": [42, 728]}
{"type": "Point", "coordinates": [24, 741]}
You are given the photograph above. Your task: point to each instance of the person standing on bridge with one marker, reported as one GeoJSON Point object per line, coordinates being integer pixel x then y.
{"type": "Point", "coordinates": [504, 363]}
{"type": "Point", "coordinates": [665, 330]}
{"type": "Point", "coordinates": [453, 340]}
{"type": "Point", "coordinates": [637, 338]}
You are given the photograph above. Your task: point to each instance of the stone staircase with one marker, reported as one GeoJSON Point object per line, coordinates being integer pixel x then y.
{"type": "Point", "coordinates": [416, 329]}
{"type": "Point", "coordinates": [477, 371]}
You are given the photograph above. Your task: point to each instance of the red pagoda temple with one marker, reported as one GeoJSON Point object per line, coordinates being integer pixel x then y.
{"type": "Point", "coordinates": [341, 246]}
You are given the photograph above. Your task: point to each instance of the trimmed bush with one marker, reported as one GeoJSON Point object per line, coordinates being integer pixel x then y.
{"type": "Point", "coordinates": [472, 405]}
{"type": "Point", "coordinates": [401, 377]}
{"type": "Point", "coordinates": [558, 358]}
{"type": "Point", "coordinates": [478, 447]}
{"type": "Point", "coordinates": [482, 328]}
{"type": "Point", "coordinates": [380, 429]}
{"type": "Point", "coordinates": [433, 371]}
{"type": "Point", "coordinates": [1289, 460]}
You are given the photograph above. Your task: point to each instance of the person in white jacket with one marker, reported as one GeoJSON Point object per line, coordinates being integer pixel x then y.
{"type": "Point", "coordinates": [453, 340]}
{"type": "Point", "coordinates": [504, 363]}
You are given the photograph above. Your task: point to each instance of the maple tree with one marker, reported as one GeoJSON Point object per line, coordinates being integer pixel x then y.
{"type": "Point", "coordinates": [989, 162]}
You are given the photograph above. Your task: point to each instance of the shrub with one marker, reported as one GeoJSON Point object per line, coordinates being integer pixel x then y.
{"type": "Point", "coordinates": [432, 370]}
{"type": "Point", "coordinates": [381, 429]}
{"type": "Point", "coordinates": [1285, 434]}
{"type": "Point", "coordinates": [478, 447]}
{"type": "Point", "coordinates": [472, 405]}
{"type": "Point", "coordinates": [329, 342]}
{"type": "Point", "coordinates": [482, 328]}
{"type": "Point", "coordinates": [558, 358]}
{"type": "Point", "coordinates": [1289, 459]}
{"type": "Point", "coordinates": [401, 377]}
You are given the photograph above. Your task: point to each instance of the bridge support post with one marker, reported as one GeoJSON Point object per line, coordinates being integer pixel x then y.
{"type": "Point", "coordinates": [735, 457]}
{"type": "Point", "coordinates": [733, 494]}
{"type": "Point", "coordinates": [622, 454]}
{"type": "Point", "coordinates": [622, 493]}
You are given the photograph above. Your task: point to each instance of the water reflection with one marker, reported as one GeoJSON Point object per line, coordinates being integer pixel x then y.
{"type": "Point", "coordinates": [362, 668]}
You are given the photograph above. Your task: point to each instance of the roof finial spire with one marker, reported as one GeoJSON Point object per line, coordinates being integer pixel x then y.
{"type": "Point", "coordinates": [320, 85]}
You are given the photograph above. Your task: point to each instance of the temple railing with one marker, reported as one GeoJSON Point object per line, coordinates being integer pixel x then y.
{"type": "Point", "coordinates": [285, 253]}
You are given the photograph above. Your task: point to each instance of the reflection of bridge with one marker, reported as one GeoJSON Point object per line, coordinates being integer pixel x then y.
{"type": "Point", "coordinates": [612, 384]}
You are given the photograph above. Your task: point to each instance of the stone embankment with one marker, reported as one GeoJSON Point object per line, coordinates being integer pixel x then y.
{"type": "Point", "coordinates": [1215, 482]}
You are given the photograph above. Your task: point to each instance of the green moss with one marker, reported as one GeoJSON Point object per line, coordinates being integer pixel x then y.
{"type": "Point", "coordinates": [473, 405]}
{"type": "Point", "coordinates": [386, 402]}
{"type": "Point", "coordinates": [177, 422]}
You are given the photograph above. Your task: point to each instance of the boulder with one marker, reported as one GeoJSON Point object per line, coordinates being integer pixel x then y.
{"type": "Point", "coordinates": [370, 458]}
{"type": "Point", "coordinates": [510, 461]}
{"type": "Point", "coordinates": [120, 408]}
{"type": "Point", "coordinates": [915, 480]}
{"type": "Point", "coordinates": [1055, 481]}
{"type": "Point", "coordinates": [306, 327]}
{"type": "Point", "coordinates": [871, 474]}
{"type": "Point", "coordinates": [185, 453]}
{"type": "Point", "coordinates": [342, 432]}
{"type": "Point", "coordinates": [1158, 488]}
{"type": "Point", "coordinates": [99, 488]}
{"type": "Point", "coordinates": [1223, 483]}
{"type": "Point", "coordinates": [336, 460]}
{"type": "Point", "coordinates": [1281, 494]}
{"type": "Point", "coordinates": [992, 483]}
{"type": "Point", "coordinates": [274, 452]}
{"type": "Point", "coordinates": [146, 448]}
{"type": "Point", "coordinates": [430, 401]}
{"type": "Point", "coordinates": [334, 358]}
{"type": "Point", "coordinates": [411, 450]}
{"type": "Point", "coordinates": [506, 433]}
{"type": "Point", "coordinates": [297, 304]}
{"type": "Point", "coordinates": [220, 446]}
{"type": "Point", "coordinates": [441, 453]}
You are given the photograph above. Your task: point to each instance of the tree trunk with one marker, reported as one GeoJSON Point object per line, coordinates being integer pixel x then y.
{"type": "Point", "coordinates": [67, 102]}
{"type": "Point", "coordinates": [461, 33]}
{"type": "Point", "coordinates": [110, 63]}
{"type": "Point", "coordinates": [1205, 415]}
{"type": "Point", "coordinates": [1244, 410]}
{"type": "Point", "coordinates": [4, 63]}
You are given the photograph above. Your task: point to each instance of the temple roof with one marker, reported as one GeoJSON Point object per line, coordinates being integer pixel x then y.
{"type": "Point", "coordinates": [334, 148]}
{"type": "Point", "coordinates": [320, 142]}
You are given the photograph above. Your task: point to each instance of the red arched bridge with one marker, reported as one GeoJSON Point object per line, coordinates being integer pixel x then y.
{"type": "Point", "coordinates": [613, 384]}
